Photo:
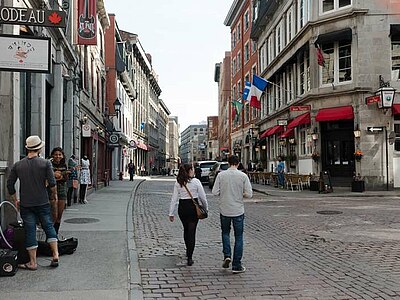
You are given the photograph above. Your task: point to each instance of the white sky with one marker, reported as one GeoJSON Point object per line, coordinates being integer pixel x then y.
{"type": "Point", "coordinates": [185, 38]}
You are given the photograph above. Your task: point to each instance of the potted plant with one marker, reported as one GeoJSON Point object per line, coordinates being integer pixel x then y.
{"type": "Point", "coordinates": [358, 183]}
{"type": "Point", "coordinates": [358, 155]}
{"type": "Point", "coordinates": [315, 156]}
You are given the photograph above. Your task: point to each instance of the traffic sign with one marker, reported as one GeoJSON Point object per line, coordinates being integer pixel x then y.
{"type": "Point", "coordinates": [375, 129]}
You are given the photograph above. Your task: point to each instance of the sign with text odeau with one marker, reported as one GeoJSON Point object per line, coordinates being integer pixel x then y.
{"type": "Point", "coordinates": [22, 53]}
{"type": "Point", "coordinates": [32, 17]}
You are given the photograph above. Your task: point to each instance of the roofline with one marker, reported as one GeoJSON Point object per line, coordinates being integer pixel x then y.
{"type": "Point", "coordinates": [233, 11]}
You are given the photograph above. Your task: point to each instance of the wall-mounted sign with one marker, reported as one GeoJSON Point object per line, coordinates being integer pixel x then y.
{"type": "Point", "coordinates": [300, 108]}
{"type": "Point", "coordinates": [113, 138]}
{"type": "Point", "coordinates": [86, 130]}
{"type": "Point", "coordinates": [372, 99]}
{"type": "Point", "coordinates": [32, 17]}
{"type": "Point", "coordinates": [87, 22]}
{"type": "Point", "coordinates": [375, 129]}
{"type": "Point", "coordinates": [282, 122]}
{"type": "Point", "coordinates": [132, 144]}
{"type": "Point", "coordinates": [21, 53]}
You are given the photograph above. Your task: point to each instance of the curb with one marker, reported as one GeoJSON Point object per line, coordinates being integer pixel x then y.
{"type": "Point", "coordinates": [134, 278]}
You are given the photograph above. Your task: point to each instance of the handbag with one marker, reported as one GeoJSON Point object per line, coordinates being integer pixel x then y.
{"type": "Point", "coordinates": [201, 211]}
{"type": "Point", "coordinates": [67, 246]}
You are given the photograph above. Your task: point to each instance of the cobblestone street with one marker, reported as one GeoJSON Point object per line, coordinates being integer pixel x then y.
{"type": "Point", "coordinates": [295, 248]}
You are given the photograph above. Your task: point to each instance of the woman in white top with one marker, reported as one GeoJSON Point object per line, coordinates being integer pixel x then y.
{"type": "Point", "coordinates": [186, 209]}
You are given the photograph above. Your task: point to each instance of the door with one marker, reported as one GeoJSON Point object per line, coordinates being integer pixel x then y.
{"type": "Point", "coordinates": [337, 148]}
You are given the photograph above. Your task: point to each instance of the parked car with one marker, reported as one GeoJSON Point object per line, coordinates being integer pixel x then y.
{"type": "Point", "coordinates": [215, 170]}
{"type": "Point", "coordinates": [205, 167]}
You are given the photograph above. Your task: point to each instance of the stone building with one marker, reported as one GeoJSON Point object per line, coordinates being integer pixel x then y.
{"type": "Point", "coordinates": [212, 138]}
{"type": "Point", "coordinates": [173, 159]}
{"type": "Point", "coordinates": [193, 144]}
{"type": "Point", "coordinates": [322, 60]}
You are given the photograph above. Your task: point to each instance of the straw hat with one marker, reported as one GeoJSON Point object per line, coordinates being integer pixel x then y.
{"type": "Point", "coordinates": [34, 143]}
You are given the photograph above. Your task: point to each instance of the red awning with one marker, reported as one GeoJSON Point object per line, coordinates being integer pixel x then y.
{"type": "Point", "coordinates": [271, 131]}
{"type": "Point", "coordinates": [335, 113]}
{"type": "Point", "coordinates": [142, 146]}
{"type": "Point", "coordinates": [300, 120]}
{"type": "Point", "coordinates": [396, 109]}
{"type": "Point", "coordinates": [288, 133]}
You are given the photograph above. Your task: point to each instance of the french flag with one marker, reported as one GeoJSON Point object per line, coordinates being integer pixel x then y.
{"type": "Point", "coordinates": [257, 88]}
{"type": "Point", "coordinates": [246, 91]}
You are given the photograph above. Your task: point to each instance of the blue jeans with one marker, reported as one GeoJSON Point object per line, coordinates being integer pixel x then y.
{"type": "Point", "coordinates": [30, 216]}
{"type": "Point", "coordinates": [238, 227]}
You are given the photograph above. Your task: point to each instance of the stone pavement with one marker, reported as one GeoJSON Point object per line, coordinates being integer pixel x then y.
{"type": "Point", "coordinates": [330, 246]}
{"type": "Point", "coordinates": [298, 245]}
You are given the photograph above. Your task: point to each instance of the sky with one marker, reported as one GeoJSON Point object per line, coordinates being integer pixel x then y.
{"type": "Point", "coordinates": [185, 39]}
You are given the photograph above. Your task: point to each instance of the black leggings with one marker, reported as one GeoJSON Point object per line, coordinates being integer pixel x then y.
{"type": "Point", "coordinates": [187, 214]}
{"type": "Point", "coordinates": [82, 192]}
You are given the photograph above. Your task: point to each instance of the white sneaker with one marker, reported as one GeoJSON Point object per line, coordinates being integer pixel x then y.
{"type": "Point", "coordinates": [239, 270]}
{"type": "Point", "coordinates": [227, 262]}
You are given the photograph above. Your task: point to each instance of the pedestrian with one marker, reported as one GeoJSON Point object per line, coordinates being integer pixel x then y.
{"type": "Point", "coordinates": [61, 173]}
{"type": "Point", "coordinates": [231, 186]}
{"type": "Point", "coordinates": [250, 166]}
{"type": "Point", "coordinates": [197, 171]}
{"type": "Point", "coordinates": [33, 172]}
{"type": "Point", "coordinates": [131, 170]}
{"type": "Point", "coordinates": [72, 182]}
{"type": "Point", "coordinates": [187, 187]}
{"type": "Point", "coordinates": [84, 179]}
{"type": "Point", "coordinates": [280, 170]}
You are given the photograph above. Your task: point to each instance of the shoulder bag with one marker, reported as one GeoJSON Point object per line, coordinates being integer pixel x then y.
{"type": "Point", "coordinates": [200, 210]}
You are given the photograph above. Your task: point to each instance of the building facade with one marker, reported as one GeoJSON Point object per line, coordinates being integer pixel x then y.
{"type": "Point", "coordinates": [323, 59]}
{"type": "Point", "coordinates": [173, 159]}
{"type": "Point", "coordinates": [193, 144]}
{"type": "Point", "coordinates": [222, 76]}
{"type": "Point", "coordinates": [244, 66]}
{"type": "Point", "coordinates": [213, 151]}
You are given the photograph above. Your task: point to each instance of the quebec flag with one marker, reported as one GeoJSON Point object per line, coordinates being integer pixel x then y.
{"type": "Point", "coordinates": [246, 91]}
{"type": "Point", "coordinates": [257, 88]}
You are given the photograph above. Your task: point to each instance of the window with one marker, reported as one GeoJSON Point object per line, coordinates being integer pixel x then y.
{"type": "Point", "coordinates": [246, 20]}
{"type": "Point", "coordinates": [239, 32]}
{"type": "Point", "coordinates": [262, 57]}
{"type": "Point", "coordinates": [289, 25]}
{"type": "Point", "coordinates": [330, 5]}
{"type": "Point", "coordinates": [397, 131]}
{"type": "Point", "coordinates": [337, 56]}
{"type": "Point", "coordinates": [272, 150]}
{"type": "Point", "coordinates": [234, 66]}
{"type": "Point", "coordinates": [239, 61]}
{"type": "Point", "coordinates": [395, 54]}
{"type": "Point", "coordinates": [253, 46]}
{"type": "Point", "coordinates": [246, 53]}
{"type": "Point", "coordinates": [278, 33]}
{"type": "Point", "coordinates": [305, 140]}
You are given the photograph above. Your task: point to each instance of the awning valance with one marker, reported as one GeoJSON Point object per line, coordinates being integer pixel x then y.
{"type": "Point", "coordinates": [271, 131]}
{"type": "Point", "coordinates": [142, 146]}
{"type": "Point", "coordinates": [288, 133]}
{"type": "Point", "coordinates": [396, 109]}
{"type": "Point", "coordinates": [300, 120]}
{"type": "Point", "coordinates": [335, 114]}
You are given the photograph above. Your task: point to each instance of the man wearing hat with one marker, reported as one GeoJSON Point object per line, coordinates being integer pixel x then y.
{"type": "Point", "coordinates": [33, 172]}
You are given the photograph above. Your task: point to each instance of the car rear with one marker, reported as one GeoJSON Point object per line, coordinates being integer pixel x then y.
{"type": "Point", "coordinates": [205, 167]}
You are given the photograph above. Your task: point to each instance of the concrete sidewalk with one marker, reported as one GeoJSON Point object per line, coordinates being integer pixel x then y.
{"type": "Point", "coordinates": [306, 193]}
{"type": "Point", "coordinates": [105, 264]}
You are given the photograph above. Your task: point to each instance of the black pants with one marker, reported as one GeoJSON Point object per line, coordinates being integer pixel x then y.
{"type": "Point", "coordinates": [188, 217]}
{"type": "Point", "coordinates": [71, 192]}
{"type": "Point", "coordinates": [82, 192]}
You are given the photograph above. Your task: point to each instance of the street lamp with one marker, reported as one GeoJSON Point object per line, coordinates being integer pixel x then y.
{"type": "Point", "coordinates": [357, 132]}
{"type": "Point", "coordinates": [117, 106]}
{"type": "Point", "coordinates": [386, 94]}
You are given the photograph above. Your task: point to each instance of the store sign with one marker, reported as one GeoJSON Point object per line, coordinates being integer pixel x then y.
{"type": "Point", "coordinates": [300, 108]}
{"type": "Point", "coordinates": [21, 53]}
{"type": "Point", "coordinates": [282, 122]}
{"type": "Point", "coordinates": [372, 99]}
{"type": "Point", "coordinates": [86, 130]}
{"type": "Point", "coordinates": [32, 17]}
{"type": "Point", "coordinates": [87, 22]}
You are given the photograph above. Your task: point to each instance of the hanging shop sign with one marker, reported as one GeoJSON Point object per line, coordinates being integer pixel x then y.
{"type": "Point", "coordinates": [86, 130]}
{"type": "Point", "coordinates": [22, 53]}
{"type": "Point", "coordinates": [32, 17]}
{"type": "Point", "coordinates": [87, 22]}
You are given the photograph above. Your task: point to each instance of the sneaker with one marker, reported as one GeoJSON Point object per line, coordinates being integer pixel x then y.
{"type": "Point", "coordinates": [227, 262]}
{"type": "Point", "coordinates": [241, 269]}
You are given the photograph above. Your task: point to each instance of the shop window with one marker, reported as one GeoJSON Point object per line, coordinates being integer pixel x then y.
{"type": "Point", "coordinates": [397, 132]}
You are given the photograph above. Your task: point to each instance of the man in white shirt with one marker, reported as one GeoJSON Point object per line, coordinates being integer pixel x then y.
{"type": "Point", "coordinates": [232, 186]}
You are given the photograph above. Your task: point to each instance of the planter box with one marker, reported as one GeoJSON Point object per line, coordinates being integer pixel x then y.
{"type": "Point", "coordinates": [358, 186]}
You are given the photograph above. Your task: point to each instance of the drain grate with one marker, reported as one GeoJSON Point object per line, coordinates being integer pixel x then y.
{"type": "Point", "coordinates": [81, 220]}
{"type": "Point", "coordinates": [329, 212]}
